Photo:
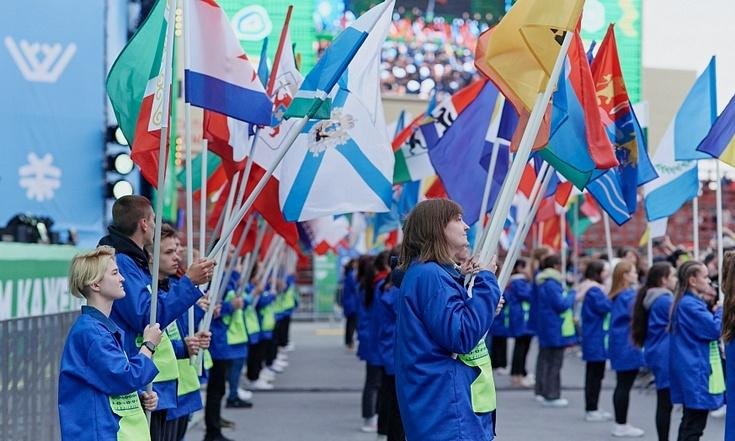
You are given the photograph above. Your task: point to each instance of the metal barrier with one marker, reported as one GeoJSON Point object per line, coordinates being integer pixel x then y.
{"type": "Point", "coordinates": [30, 350]}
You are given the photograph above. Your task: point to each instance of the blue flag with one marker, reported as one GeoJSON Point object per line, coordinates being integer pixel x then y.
{"type": "Point", "coordinates": [720, 141]}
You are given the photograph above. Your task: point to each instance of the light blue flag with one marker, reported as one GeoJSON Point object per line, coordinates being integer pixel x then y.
{"type": "Point", "coordinates": [696, 115]}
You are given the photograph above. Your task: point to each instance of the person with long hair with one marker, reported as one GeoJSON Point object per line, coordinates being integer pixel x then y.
{"type": "Point", "coordinates": [595, 325]}
{"type": "Point", "coordinates": [443, 370]}
{"type": "Point", "coordinates": [695, 366]}
{"type": "Point", "coordinates": [728, 337]}
{"type": "Point", "coordinates": [367, 344]}
{"type": "Point", "coordinates": [350, 302]}
{"type": "Point", "coordinates": [649, 331]}
{"type": "Point", "coordinates": [625, 358]}
{"type": "Point", "coordinates": [518, 298]}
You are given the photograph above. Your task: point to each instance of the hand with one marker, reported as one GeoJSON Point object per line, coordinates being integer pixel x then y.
{"type": "Point", "coordinates": [192, 344]}
{"type": "Point", "coordinates": [152, 333]}
{"type": "Point", "coordinates": [200, 272]}
{"type": "Point", "coordinates": [203, 302]}
{"type": "Point", "coordinates": [205, 338]}
{"type": "Point", "coordinates": [492, 266]}
{"type": "Point", "coordinates": [217, 310]}
{"type": "Point", "coordinates": [469, 266]}
{"type": "Point", "coordinates": [501, 303]}
{"type": "Point", "coordinates": [237, 302]}
{"type": "Point", "coordinates": [149, 400]}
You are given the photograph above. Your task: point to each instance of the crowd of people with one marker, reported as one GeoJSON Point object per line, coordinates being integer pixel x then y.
{"type": "Point", "coordinates": [112, 352]}
{"type": "Point", "coordinates": [431, 345]}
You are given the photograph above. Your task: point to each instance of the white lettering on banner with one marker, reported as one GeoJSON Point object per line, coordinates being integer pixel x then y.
{"type": "Point", "coordinates": [6, 299]}
{"type": "Point", "coordinates": [54, 290]}
{"type": "Point", "coordinates": [37, 298]}
{"type": "Point", "coordinates": [22, 296]}
{"type": "Point", "coordinates": [40, 62]}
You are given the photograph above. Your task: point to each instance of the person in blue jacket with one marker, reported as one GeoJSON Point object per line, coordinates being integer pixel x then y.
{"type": "Point", "coordinates": [350, 302]}
{"type": "Point", "coordinates": [554, 329]}
{"type": "Point", "coordinates": [518, 297]}
{"type": "Point", "coordinates": [625, 358]}
{"type": "Point", "coordinates": [99, 385]}
{"type": "Point", "coordinates": [595, 325]}
{"type": "Point", "coordinates": [130, 234]}
{"type": "Point", "coordinates": [728, 332]}
{"type": "Point", "coordinates": [499, 341]}
{"type": "Point", "coordinates": [443, 370]}
{"type": "Point", "coordinates": [695, 367]}
{"type": "Point", "coordinates": [649, 331]}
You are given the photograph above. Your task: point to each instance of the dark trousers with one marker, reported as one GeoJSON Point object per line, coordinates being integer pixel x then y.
{"type": "Point", "coordinates": [663, 413]}
{"type": "Point", "coordinates": [593, 375]}
{"type": "Point", "coordinates": [548, 372]}
{"type": "Point", "coordinates": [271, 351]}
{"type": "Point", "coordinates": [520, 352]}
{"type": "Point", "coordinates": [499, 352]}
{"type": "Point", "coordinates": [233, 376]}
{"type": "Point", "coordinates": [280, 334]}
{"type": "Point", "coordinates": [215, 392]}
{"type": "Point", "coordinates": [162, 429]}
{"type": "Point", "coordinates": [389, 415]}
{"type": "Point", "coordinates": [693, 422]}
{"type": "Point", "coordinates": [621, 395]}
{"type": "Point", "coordinates": [350, 327]}
{"type": "Point", "coordinates": [182, 423]}
{"type": "Point", "coordinates": [370, 391]}
{"type": "Point", "coordinates": [256, 355]}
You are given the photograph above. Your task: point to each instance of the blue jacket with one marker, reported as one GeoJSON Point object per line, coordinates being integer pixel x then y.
{"type": "Point", "coordinates": [730, 392]}
{"type": "Point", "coordinates": [350, 295]}
{"type": "Point", "coordinates": [624, 355]}
{"type": "Point", "coordinates": [501, 323]}
{"type": "Point", "coordinates": [436, 319]}
{"type": "Point", "coordinates": [693, 328]}
{"type": "Point", "coordinates": [387, 315]}
{"type": "Point", "coordinates": [518, 303]}
{"type": "Point", "coordinates": [93, 368]}
{"type": "Point", "coordinates": [367, 348]}
{"type": "Point", "coordinates": [595, 309]}
{"type": "Point", "coordinates": [656, 345]}
{"type": "Point", "coordinates": [218, 347]}
{"type": "Point", "coordinates": [554, 319]}
{"type": "Point", "coordinates": [191, 402]}
{"type": "Point", "coordinates": [533, 306]}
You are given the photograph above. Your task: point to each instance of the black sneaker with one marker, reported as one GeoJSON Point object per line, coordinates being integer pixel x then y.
{"type": "Point", "coordinates": [226, 424]}
{"type": "Point", "coordinates": [238, 404]}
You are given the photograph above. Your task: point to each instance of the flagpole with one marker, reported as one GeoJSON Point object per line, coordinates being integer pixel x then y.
{"type": "Point", "coordinates": [649, 245]}
{"type": "Point", "coordinates": [576, 236]}
{"type": "Point", "coordinates": [203, 201]}
{"type": "Point", "coordinates": [563, 246]}
{"type": "Point", "coordinates": [515, 247]}
{"type": "Point", "coordinates": [162, 150]}
{"type": "Point", "coordinates": [490, 246]}
{"type": "Point", "coordinates": [695, 216]}
{"type": "Point", "coordinates": [248, 271]}
{"type": "Point", "coordinates": [608, 237]}
{"type": "Point", "coordinates": [227, 231]}
{"type": "Point", "coordinates": [494, 126]}
{"type": "Point", "coordinates": [718, 203]}
{"type": "Point", "coordinates": [233, 261]}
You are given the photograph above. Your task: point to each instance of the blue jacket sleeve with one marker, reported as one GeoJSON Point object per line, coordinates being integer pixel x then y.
{"type": "Point", "coordinates": [111, 372]}
{"type": "Point", "coordinates": [522, 291]}
{"type": "Point", "coordinates": [558, 301]}
{"type": "Point", "coordinates": [453, 320]}
{"type": "Point", "coordinates": [702, 323]}
{"type": "Point", "coordinates": [601, 304]}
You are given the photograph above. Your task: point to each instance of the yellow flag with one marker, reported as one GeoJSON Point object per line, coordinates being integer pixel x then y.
{"type": "Point", "coordinates": [519, 53]}
{"type": "Point", "coordinates": [728, 155]}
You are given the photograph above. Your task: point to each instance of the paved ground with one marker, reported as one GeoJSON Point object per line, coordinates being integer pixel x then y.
{"type": "Point", "coordinates": [318, 399]}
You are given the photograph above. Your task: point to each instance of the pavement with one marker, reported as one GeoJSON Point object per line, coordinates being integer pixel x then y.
{"type": "Point", "coordinates": [317, 398]}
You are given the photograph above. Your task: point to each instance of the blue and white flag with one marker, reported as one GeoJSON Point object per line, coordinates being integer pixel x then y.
{"type": "Point", "coordinates": [344, 164]}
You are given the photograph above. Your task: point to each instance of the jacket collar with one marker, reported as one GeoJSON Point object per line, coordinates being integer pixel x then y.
{"type": "Point", "coordinates": [125, 245]}
{"type": "Point", "coordinates": [103, 319]}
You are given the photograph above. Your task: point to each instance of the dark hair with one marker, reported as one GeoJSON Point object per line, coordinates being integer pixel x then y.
{"type": "Point", "coordinates": [366, 278]}
{"type": "Point", "coordinates": [550, 261]}
{"type": "Point", "coordinates": [519, 266]}
{"type": "Point", "coordinates": [594, 270]}
{"type": "Point", "coordinates": [639, 322]}
{"type": "Point", "coordinates": [423, 232]}
{"type": "Point", "coordinates": [728, 290]}
{"type": "Point", "coordinates": [167, 232]}
{"type": "Point", "coordinates": [686, 270]}
{"type": "Point", "coordinates": [127, 211]}
{"type": "Point", "coordinates": [392, 258]}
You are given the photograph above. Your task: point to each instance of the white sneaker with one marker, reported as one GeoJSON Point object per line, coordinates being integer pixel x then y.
{"type": "Point", "coordinates": [528, 381]}
{"type": "Point", "coordinates": [261, 384]}
{"type": "Point", "coordinates": [370, 425]}
{"type": "Point", "coordinates": [539, 398]}
{"type": "Point", "coordinates": [626, 430]}
{"type": "Point", "coordinates": [719, 413]}
{"type": "Point", "coordinates": [596, 416]}
{"type": "Point", "coordinates": [280, 363]}
{"type": "Point", "coordinates": [244, 394]}
{"type": "Point", "coordinates": [501, 371]}
{"type": "Point", "coordinates": [289, 347]}
{"type": "Point", "coordinates": [267, 374]}
{"type": "Point", "coordinates": [282, 356]}
{"type": "Point", "coordinates": [276, 369]}
{"type": "Point", "coordinates": [559, 402]}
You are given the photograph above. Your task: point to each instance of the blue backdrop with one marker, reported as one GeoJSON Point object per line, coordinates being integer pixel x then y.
{"type": "Point", "coordinates": [52, 112]}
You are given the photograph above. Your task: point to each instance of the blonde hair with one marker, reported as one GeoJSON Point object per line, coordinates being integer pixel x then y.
{"type": "Point", "coordinates": [618, 278]}
{"type": "Point", "coordinates": [88, 268]}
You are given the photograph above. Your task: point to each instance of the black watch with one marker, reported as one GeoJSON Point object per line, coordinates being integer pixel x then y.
{"type": "Point", "coordinates": [150, 346]}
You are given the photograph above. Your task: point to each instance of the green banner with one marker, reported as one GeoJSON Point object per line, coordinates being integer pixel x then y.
{"type": "Point", "coordinates": [626, 15]}
{"type": "Point", "coordinates": [325, 282]}
{"type": "Point", "coordinates": [33, 280]}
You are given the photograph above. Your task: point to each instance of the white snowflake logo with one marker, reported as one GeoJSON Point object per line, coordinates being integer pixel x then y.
{"type": "Point", "coordinates": [40, 177]}
{"type": "Point", "coordinates": [331, 132]}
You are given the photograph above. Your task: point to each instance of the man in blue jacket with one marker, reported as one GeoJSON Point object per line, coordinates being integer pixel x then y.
{"type": "Point", "coordinates": [131, 232]}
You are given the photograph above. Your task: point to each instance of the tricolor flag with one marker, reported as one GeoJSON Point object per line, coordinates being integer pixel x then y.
{"type": "Point", "coordinates": [134, 86]}
{"type": "Point", "coordinates": [411, 153]}
{"type": "Point", "coordinates": [343, 164]}
{"type": "Point", "coordinates": [720, 141]}
{"type": "Point", "coordinates": [218, 75]}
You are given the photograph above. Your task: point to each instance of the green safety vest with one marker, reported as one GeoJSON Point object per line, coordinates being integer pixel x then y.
{"type": "Point", "coordinates": [164, 358]}
{"type": "Point", "coordinates": [251, 320]}
{"type": "Point", "coordinates": [269, 318]}
{"type": "Point", "coordinates": [606, 327]}
{"type": "Point", "coordinates": [526, 310]}
{"type": "Point", "coordinates": [483, 388]}
{"type": "Point", "coordinates": [133, 423]}
{"type": "Point", "coordinates": [208, 363]}
{"type": "Point", "coordinates": [567, 324]}
{"type": "Point", "coordinates": [289, 299]}
{"type": "Point", "coordinates": [278, 304]}
{"type": "Point", "coordinates": [188, 378]}
{"type": "Point", "coordinates": [716, 378]}
{"type": "Point", "coordinates": [236, 333]}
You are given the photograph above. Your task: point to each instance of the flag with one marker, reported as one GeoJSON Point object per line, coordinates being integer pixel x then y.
{"type": "Point", "coordinates": [678, 181]}
{"type": "Point", "coordinates": [587, 214]}
{"type": "Point", "coordinates": [412, 161]}
{"type": "Point", "coordinates": [132, 85]}
{"type": "Point", "coordinates": [720, 141]}
{"type": "Point", "coordinates": [216, 175]}
{"type": "Point", "coordinates": [693, 125]}
{"type": "Point", "coordinates": [325, 233]}
{"type": "Point", "coordinates": [218, 74]}
{"type": "Point", "coordinates": [520, 207]}
{"type": "Point", "coordinates": [519, 53]}
{"type": "Point", "coordinates": [333, 63]}
{"type": "Point", "coordinates": [457, 144]}
{"type": "Point", "coordinates": [343, 164]}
